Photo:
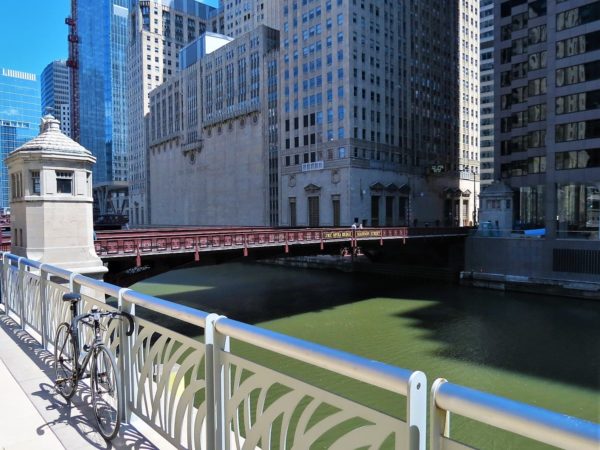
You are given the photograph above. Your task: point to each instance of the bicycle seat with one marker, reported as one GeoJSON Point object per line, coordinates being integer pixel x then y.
{"type": "Point", "coordinates": [72, 297]}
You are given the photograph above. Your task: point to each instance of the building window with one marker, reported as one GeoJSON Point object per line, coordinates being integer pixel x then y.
{"type": "Point", "coordinates": [578, 159]}
{"type": "Point", "coordinates": [313, 211]}
{"type": "Point", "coordinates": [336, 210]}
{"type": "Point", "coordinates": [64, 182]}
{"type": "Point", "coordinates": [35, 182]}
{"type": "Point", "coordinates": [577, 208]}
{"type": "Point", "coordinates": [293, 220]}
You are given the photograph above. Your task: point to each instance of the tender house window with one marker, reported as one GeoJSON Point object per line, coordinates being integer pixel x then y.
{"type": "Point", "coordinates": [64, 182]}
{"type": "Point", "coordinates": [35, 182]}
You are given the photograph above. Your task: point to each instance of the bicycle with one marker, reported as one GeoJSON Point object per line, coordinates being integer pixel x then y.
{"type": "Point", "coordinates": [71, 363]}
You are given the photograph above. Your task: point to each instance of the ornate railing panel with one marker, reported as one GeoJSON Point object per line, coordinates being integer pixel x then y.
{"type": "Point", "coordinates": [267, 409]}
{"type": "Point", "coordinates": [169, 387]}
{"type": "Point", "coordinates": [57, 309]}
{"type": "Point", "coordinates": [12, 289]}
{"type": "Point", "coordinates": [32, 312]}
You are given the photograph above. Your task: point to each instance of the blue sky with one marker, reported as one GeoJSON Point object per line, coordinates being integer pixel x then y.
{"type": "Point", "coordinates": [33, 33]}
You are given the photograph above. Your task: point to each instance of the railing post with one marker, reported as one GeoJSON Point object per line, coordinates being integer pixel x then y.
{"type": "Point", "coordinates": [20, 291]}
{"type": "Point", "coordinates": [416, 414]}
{"type": "Point", "coordinates": [44, 305]}
{"type": "Point", "coordinates": [125, 360]}
{"type": "Point", "coordinates": [74, 287]}
{"type": "Point", "coordinates": [2, 281]}
{"type": "Point", "coordinates": [217, 386]}
{"type": "Point", "coordinates": [439, 419]}
{"type": "Point", "coordinates": [5, 283]}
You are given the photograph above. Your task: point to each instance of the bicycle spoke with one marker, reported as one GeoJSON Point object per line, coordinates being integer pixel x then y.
{"type": "Point", "coordinates": [105, 393]}
{"type": "Point", "coordinates": [64, 361]}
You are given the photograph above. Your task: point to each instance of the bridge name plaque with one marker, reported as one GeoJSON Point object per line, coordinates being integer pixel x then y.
{"type": "Point", "coordinates": [348, 234]}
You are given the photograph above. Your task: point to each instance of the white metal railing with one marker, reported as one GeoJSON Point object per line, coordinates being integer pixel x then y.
{"type": "Point", "coordinates": [526, 420]}
{"type": "Point", "coordinates": [200, 395]}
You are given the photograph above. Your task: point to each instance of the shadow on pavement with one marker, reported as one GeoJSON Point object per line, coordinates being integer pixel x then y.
{"type": "Point", "coordinates": [63, 416]}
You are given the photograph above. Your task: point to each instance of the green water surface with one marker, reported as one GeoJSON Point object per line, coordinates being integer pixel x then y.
{"type": "Point", "coordinates": [541, 350]}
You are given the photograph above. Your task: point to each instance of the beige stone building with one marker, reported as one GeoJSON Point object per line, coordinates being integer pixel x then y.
{"type": "Point", "coordinates": [379, 112]}
{"type": "Point", "coordinates": [213, 135]}
{"type": "Point", "coordinates": [158, 30]}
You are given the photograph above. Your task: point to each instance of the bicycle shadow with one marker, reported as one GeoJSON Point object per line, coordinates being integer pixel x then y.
{"type": "Point", "coordinates": [69, 420]}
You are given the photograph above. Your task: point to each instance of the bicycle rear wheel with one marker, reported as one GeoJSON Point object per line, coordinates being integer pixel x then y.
{"type": "Point", "coordinates": [64, 361]}
{"type": "Point", "coordinates": [106, 396]}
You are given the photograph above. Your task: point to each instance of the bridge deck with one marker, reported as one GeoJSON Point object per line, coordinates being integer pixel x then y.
{"type": "Point", "coordinates": [128, 243]}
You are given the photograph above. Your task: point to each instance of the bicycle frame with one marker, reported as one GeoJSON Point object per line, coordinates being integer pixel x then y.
{"type": "Point", "coordinates": [80, 366]}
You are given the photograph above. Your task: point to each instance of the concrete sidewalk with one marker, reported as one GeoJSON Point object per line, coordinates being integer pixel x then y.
{"type": "Point", "coordinates": [33, 415]}
{"type": "Point", "coordinates": [21, 425]}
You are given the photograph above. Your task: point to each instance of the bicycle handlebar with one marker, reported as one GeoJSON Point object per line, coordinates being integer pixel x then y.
{"type": "Point", "coordinates": [112, 314]}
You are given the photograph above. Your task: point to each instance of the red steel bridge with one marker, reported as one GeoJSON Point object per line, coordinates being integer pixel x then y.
{"type": "Point", "coordinates": [166, 241]}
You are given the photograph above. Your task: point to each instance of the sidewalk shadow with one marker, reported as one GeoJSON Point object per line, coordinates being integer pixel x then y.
{"type": "Point", "coordinates": [76, 413]}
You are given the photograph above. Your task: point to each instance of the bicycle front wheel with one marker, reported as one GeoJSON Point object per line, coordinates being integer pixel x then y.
{"type": "Point", "coordinates": [64, 361]}
{"type": "Point", "coordinates": [106, 396]}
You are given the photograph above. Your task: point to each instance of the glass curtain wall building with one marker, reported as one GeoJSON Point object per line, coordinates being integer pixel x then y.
{"type": "Point", "coordinates": [19, 118]}
{"type": "Point", "coordinates": [547, 117]}
{"type": "Point", "coordinates": [56, 94]}
{"type": "Point", "coordinates": [102, 27]}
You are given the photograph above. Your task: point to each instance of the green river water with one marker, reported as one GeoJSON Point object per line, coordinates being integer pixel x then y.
{"type": "Point", "coordinates": [541, 350]}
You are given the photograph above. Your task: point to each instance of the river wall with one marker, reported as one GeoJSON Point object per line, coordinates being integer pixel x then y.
{"type": "Point", "coordinates": [361, 264]}
{"type": "Point", "coordinates": [534, 264]}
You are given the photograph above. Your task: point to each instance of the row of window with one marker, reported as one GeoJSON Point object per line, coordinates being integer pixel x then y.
{"type": "Point", "coordinates": [343, 152]}
{"type": "Point", "coordinates": [64, 183]}
{"type": "Point", "coordinates": [582, 101]}
{"type": "Point", "coordinates": [516, 144]}
{"type": "Point", "coordinates": [575, 131]}
{"type": "Point", "coordinates": [578, 159]}
{"type": "Point", "coordinates": [396, 210]}
{"type": "Point", "coordinates": [522, 167]}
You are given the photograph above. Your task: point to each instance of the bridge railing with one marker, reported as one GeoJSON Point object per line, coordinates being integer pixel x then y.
{"type": "Point", "coordinates": [529, 421]}
{"type": "Point", "coordinates": [211, 393]}
{"type": "Point", "coordinates": [164, 241]}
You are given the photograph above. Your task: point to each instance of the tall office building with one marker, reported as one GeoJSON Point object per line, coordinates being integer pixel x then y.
{"type": "Point", "coordinates": [158, 30]}
{"type": "Point", "coordinates": [468, 33]}
{"type": "Point", "coordinates": [486, 140]}
{"type": "Point", "coordinates": [102, 36]}
{"type": "Point", "coordinates": [19, 118]}
{"type": "Point", "coordinates": [56, 94]}
{"type": "Point", "coordinates": [380, 112]}
{"type": "Point", "coordinates": [243, 16]}
{"type": "Point", "coordinates": [547, 116]}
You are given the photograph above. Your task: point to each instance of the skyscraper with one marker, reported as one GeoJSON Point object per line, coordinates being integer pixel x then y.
{"type": "Point", "coordinates": [56, 93]}
{"type": "Point", "coordinates": [486, 139]}
{"type": "Point", "coordinates": [158, 30]}
{"type": "Point", "coordinates": [547, 116]}
{"type": "Point", "coordinates": [380, 112]}
{"type": "Point", "coordinates": [19, 118]}
{"type": "Point", "coordinates": [102, 36]}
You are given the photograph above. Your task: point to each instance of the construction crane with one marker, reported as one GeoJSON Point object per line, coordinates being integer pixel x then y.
{"type": "Point", "coordinates": [73, 64]}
